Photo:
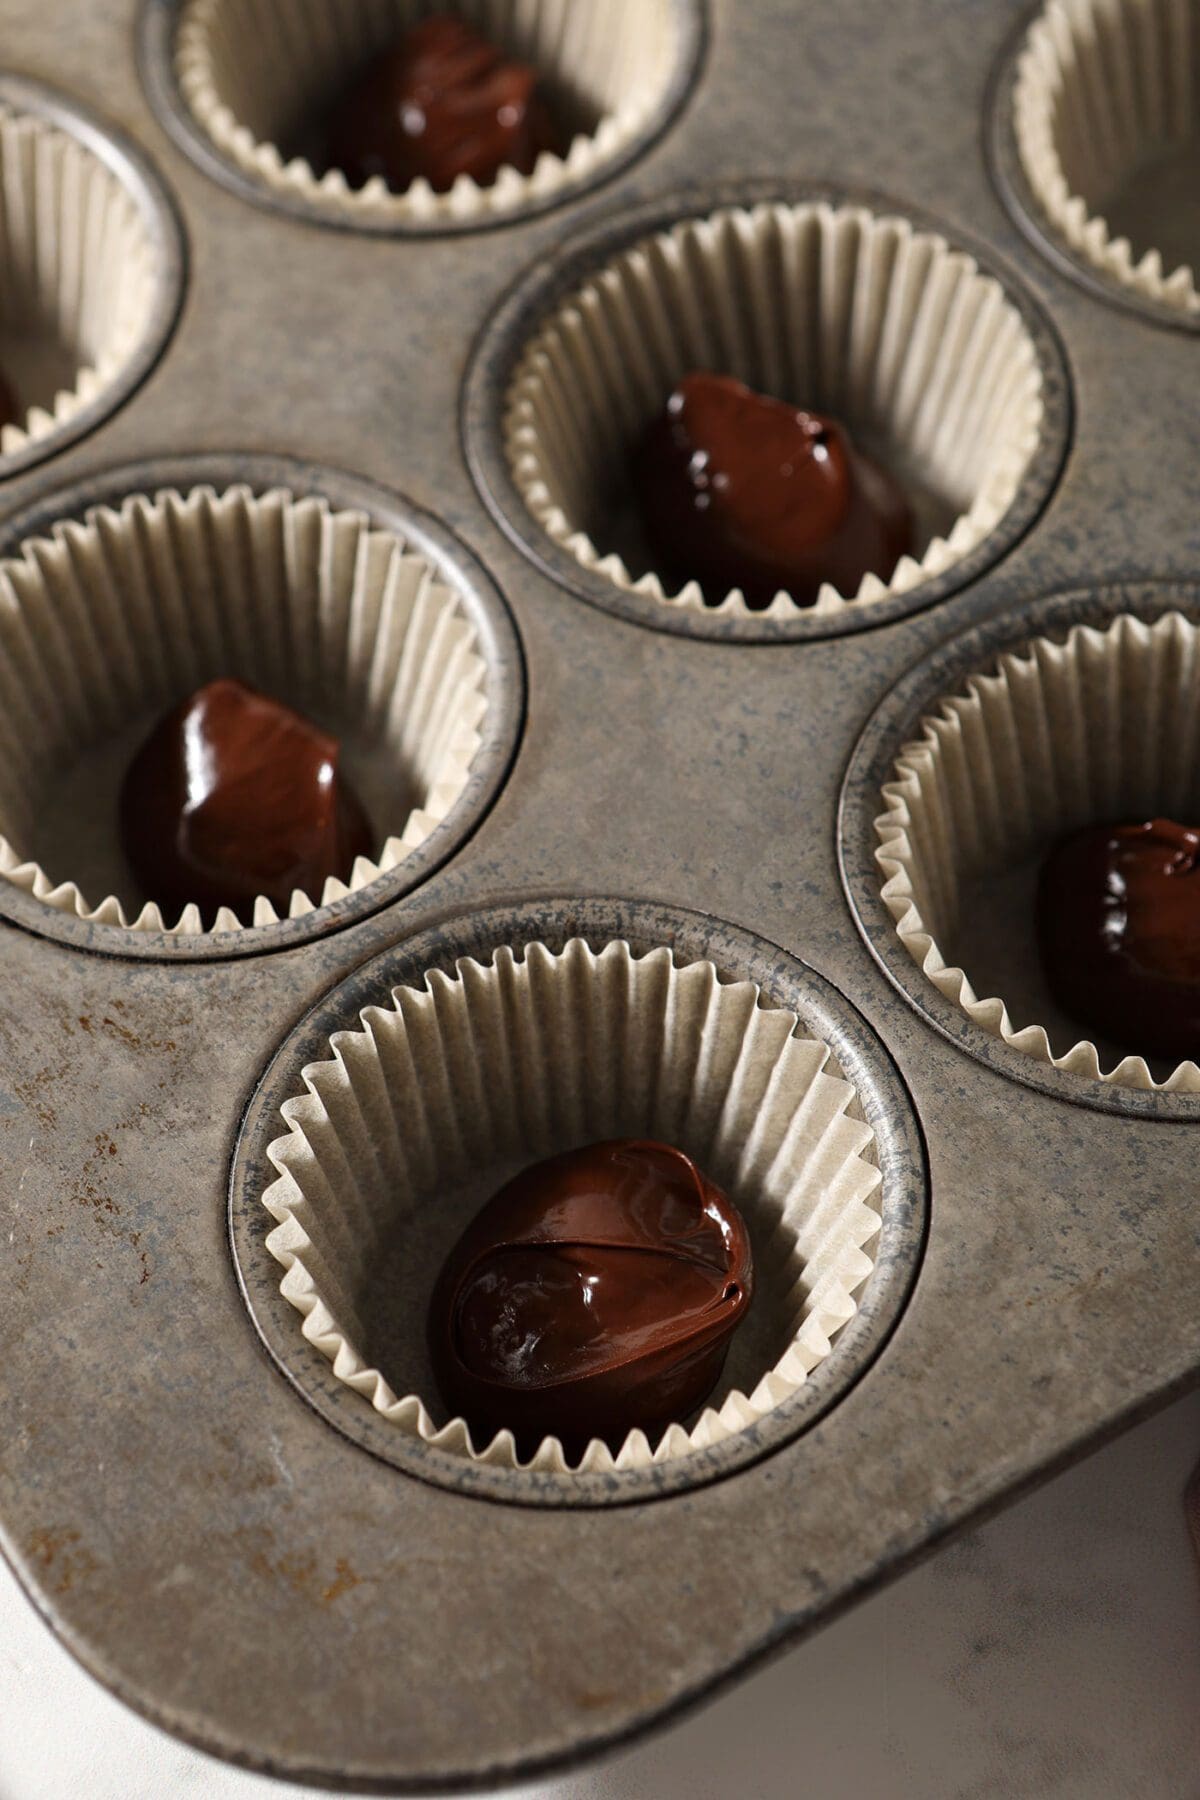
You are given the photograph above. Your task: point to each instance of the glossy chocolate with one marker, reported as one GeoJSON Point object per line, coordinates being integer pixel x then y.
{"type": "Point", "coordinates": [737, 490]}
{"type": "Point", "coordinates": [234, 795]}
{"type": "Point", "coordinates": [1119, 928]}
{"type": "Point", "coordinates": [443, 102]}
{"type": "Point", "coordinates": [594, 1295]}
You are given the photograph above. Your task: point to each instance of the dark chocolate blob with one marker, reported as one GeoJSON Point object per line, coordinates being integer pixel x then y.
{"type": "Point", "coordinates": [441, 103]}
{"type": "Point", "coordinates": [737, 490]}
{"type": "Point", "coordinates": [594, 1295]}
{"type": "Point", "coordinates": [234, 795]}
{"type": "Point", "coordinates": [1119, 930]}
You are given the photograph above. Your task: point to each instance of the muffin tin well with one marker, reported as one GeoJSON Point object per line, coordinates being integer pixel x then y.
{"type": "Point", "coordinates": [91, 269]}
{"type": "Point", "coordinates": [734, 1052]}
{"type": "Point", "coordinates": [989, 751]}
{"type": "Point", "coordinates": [941, 366]}
{"type": "Point", "coordinates": [225, 1481]}
{"type": "Point", "coordinates": [124, 596]}
{"type": "Point", "coordinates": [1096, 148]}
{"type": "Point", "coordinates": [614, 71]}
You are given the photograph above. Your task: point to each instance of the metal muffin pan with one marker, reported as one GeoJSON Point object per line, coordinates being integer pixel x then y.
{"type": "Point", "coordinates": [197, 1530]}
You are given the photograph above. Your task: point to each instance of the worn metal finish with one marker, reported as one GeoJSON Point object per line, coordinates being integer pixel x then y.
{"type": "Point", "coordinates": [740, 957]}
{"type": "Point", "coordinates": [197, 1532]}
{"type": "Point", "coordinates": [1018, 196]}
{"type": "Point", "coordinates": [164, 232]}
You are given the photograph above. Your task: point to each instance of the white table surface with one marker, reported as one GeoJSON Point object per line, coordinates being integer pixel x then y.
{"type": "Point", "coordinates": [1052, 1655]}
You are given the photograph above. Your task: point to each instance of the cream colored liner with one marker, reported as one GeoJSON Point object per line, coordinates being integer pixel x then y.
{"type": "Point", "coordinates": [78, 275]}
{"type": "Point", "coordinates": [866, 318]}
{"type": "Point", "coordinates": [1101, 87]}
{"type": "Point", "coordinates": [108, 623]}
{"type": "Point", "coordinates": [252, 71]}
{"type": "Point", "coordinates": [532, 1053]}
{"type": "Point", "coordinates": [1104, 726]}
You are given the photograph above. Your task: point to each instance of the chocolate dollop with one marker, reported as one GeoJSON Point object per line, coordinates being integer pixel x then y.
{"type": "Point", "coordinates": [1119, 929]}
{"type": "Point", "coordinates": [234, 795]}
{"type": "Point", "coordinates": [441, 103]}
{"type": "Point", "coordinates": [595, 1294]}
{"type": "Point", "coordinates": [738, 490]}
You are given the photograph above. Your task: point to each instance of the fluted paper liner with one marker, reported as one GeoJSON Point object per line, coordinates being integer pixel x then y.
{"type": "Point", "coordinates": [255, 71]}
{"type": "Point", "coordinates": [420, 1115]}
{"type": "Point", "coordinates": [108, 623]}
{"type": "Point", "coordinates": [79, 275]}
{"type": "Point", "coordinates": [1103, 88]}
{"type": "Point", "coordinates": [1104, 726]}
{"type": "Point", "coordinates": [866, 318]}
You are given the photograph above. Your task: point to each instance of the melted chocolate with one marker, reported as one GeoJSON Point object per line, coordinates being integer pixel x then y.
{"type": "Point", "coordinates": [1119, 927]}
{"type": "Point", "coordinates": [234, 795]}
{"type": "Point", "coordinates": [443, 102]}
{"type": "Point", "coordinates": [738, 490]}
{"type": "Point", "coordinates": [594, 1295]}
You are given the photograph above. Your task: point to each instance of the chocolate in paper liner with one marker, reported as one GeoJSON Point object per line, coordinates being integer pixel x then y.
{"type": "Point", "coordinates": [883, 326]}
{"type": "Point", "coordinates": [108, 623]}
{"type": "Point", "coordinates": [79, 275]}
{"type": "Point", "coordinates": [254, 72]}
{"type": "Point", "coordinates": [1103, 89]}
{"type": "Point", "coordinates": [422, 1114]}
{"type": "Point", "coordinates": [1103, 726]}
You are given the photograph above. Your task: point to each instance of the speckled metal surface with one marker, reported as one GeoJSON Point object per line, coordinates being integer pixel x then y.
{"type": "Point", "coordinates": [198, 1534]}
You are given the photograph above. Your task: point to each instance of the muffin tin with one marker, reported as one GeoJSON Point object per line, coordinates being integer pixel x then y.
{"type": "Point", "coordinates": [227, 1535]}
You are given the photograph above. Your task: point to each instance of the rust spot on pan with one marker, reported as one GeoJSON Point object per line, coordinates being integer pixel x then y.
{"type": "Point", "coordinates": [64, 1558]}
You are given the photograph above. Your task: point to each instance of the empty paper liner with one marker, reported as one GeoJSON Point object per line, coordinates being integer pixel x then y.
{"type": "Point", "coordinates": [886, 327]}
{"type": "Point", "coordinates": [446, 1090]}
{"type": "Point", "coordinates": [109, 622]}
{"type": "Point", "coordinates": [80, 276]}
{"type": "Point", "coordinates": [1106, 112]}
{"type": "Point", "coordinates": [1101, 727]}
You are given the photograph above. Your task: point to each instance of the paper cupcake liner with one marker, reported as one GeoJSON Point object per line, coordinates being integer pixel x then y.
{"type": "Point", "coordinates": [420, 1115]}
{"type": "Point", "coordinates": [108, 623]}
{"type": "Point", "coordinates": [883, 326]}
{"type": "Point", "coordinates": [79, 275]}
{"type": "Point", "coordinates": [1103, 726]}
{"type": "Point", "coordinates": [254, 71]}
{"type": "Point", "coordinates": [1103, 88]}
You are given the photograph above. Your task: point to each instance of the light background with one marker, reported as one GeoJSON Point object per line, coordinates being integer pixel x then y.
{"type": "Point", "coordinates": [1052, 1655]}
